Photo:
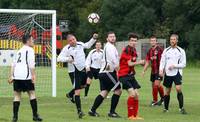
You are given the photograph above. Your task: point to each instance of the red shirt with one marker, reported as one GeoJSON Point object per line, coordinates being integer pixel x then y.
{"type": "Point", "coordinates": [58, 44]}
{"type": "Point", "coordinates": [154, 56]}
{"type": "Point", "coordinates": [128, 53]}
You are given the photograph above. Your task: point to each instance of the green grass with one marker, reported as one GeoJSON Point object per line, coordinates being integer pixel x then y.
{"type": "Point", "coordinates": [61, 110]}
{"type": "Point", "coordinates": [44, 82]}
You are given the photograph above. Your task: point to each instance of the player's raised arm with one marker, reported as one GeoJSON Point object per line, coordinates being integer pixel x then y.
{"type": "Point", "coordinates": [89, 44]}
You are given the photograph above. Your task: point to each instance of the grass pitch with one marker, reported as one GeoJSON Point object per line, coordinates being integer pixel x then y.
{"type": "Point", "coordinates": [60, 109]}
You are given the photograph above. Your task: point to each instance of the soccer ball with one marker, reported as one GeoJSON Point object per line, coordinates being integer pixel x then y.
{"type": "Point", "coordinates": [93, 18]}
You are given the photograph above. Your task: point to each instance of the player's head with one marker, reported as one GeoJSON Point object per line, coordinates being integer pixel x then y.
{"type": "Point", "coordinates": [173, 40]}
{"type": "Point", "coordinates": [71, 40]}
{"type": "Point", "coordinates": [132, 37]}
{"type": "Point", "coordinates": [98, 45]}
{"type": "Point", "coordinates": [27, 39]}
{"type": "Point", "coordinates": [111, 37]}
{"type": "Point", "coordinates": [153, 40]}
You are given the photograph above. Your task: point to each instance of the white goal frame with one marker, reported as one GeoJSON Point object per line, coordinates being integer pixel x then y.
{"type": "Point", "coordinates": [53, 12]}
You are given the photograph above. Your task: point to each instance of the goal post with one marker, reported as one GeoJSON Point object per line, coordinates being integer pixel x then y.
{"type": "Point", "coordinates": [41, 24]}
{"type": "Point", "coordinates": [54, 56]}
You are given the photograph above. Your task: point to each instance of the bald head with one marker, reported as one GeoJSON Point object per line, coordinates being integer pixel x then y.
{"type": "Point", "coordinates": [71, 40]}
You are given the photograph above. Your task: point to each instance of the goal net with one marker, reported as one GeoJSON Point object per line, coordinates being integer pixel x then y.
{"type": "Point", "coordinates": [41, 24]}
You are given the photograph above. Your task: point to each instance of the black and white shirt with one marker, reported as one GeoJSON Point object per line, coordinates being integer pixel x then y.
{"type": "Point", "coordinates": [94, 59]}
{"type": "Point", "coordinates": [76, 53]}
{"type": "Point", "coordinates": [110, 58]}
{"type": "Point", "coordinates": [23, 62]}
{"type": "Point", "coordinates": [173, 56]}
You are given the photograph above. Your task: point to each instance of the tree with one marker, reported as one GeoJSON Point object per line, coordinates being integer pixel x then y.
{"type": "Point", "coordinates": [193, 37]}
{"type": "Point", "coordinates": [145, 17]}
{"type": "Point", "coordinates": [124, 16]}
{"type": "Point", "coordinates": [85, 28]}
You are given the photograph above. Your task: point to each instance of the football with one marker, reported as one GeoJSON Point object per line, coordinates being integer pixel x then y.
{"type": "Point", "coordinates": [93, 18]}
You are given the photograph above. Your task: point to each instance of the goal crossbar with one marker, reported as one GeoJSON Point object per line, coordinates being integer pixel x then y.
{"type": "Point", "coordinates": [27, 11]}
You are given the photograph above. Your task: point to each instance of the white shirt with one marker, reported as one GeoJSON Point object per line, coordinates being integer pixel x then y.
{"type": "Point", "coordinates": [23, 62]}
{"type": "Point", "coordinates": [173, 56]}
{"type": "Point", "coordinates": [76, 53]}
{"type": "Point", "coordinates": [94, 59]}
{"type": "Point", "coordinates": [110, 58]}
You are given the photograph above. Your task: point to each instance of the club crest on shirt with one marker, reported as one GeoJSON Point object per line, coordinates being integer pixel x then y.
{"type": "Point", "coordinates": [168, 58]}
{"type": "Point", "coordinates": [95, 58]}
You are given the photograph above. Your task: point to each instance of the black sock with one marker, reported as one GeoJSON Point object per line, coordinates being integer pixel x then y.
{"type": "Point", "coordinates": [114, 102]}
{"type": "Point", "coordinates": [99, 99]}
{"type": "Point", "coordinates": [78, 103]}
{"type": "Point", "coordinates": [33, 103]}
{"type": "Point", "coordinates": [166, 101]}
{"type": "Point", "coordinates": [87, 89]}
{"type": "Point", "coordinates": [16, 105]}
{"type": "Point", "coordinates": [180, 99]}
{"type": "Point", "coordinates": [71, 93]}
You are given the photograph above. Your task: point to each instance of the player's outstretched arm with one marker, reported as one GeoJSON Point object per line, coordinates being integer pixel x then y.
{"type": "Point", "coordinates": [131, 63]}
{"type": "Point", "coordinates": [145, 67]}
{"type": "Point", "coordinates": [147, 62]}
{"type": "Point", "coordinates": [89, 44]}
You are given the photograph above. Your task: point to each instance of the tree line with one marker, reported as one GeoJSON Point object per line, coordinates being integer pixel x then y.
{"type": "Point", "coordinates": [145, 17]}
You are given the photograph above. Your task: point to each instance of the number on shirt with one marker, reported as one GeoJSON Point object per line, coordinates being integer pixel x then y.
{"type": "Point", "coordinates": [19, 59]}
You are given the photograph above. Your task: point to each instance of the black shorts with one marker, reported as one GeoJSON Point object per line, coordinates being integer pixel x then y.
{"type": "Point", "coordinates": [168, 80]}
{"type": "Point", "coordinates": [154, 77]}
{"type": "Point", "coordinates": [71, 76]}
{"type": "Point", "coordinates": [93, 73]}
{"type": "Point", "coordinates": [23, 85]}
{"type": "Point", "coordinates": [108, 81]}
{"type": "Point", "coordinates": [78, 79]}
{"type": "Point", "coordinates": [129, 81]}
